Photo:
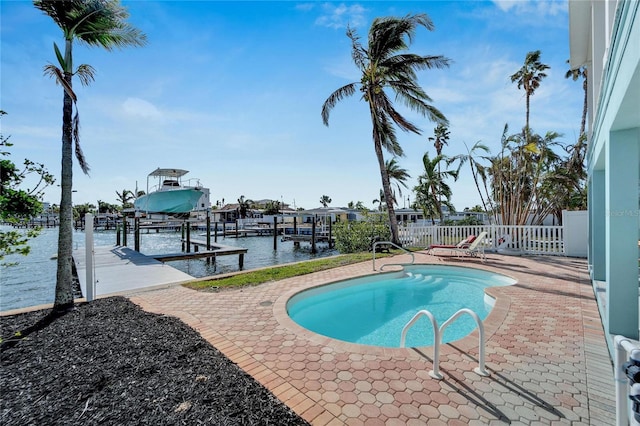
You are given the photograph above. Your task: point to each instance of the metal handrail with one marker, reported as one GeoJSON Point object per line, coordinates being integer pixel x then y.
{"type": "Point", "coordinates": [437, 337]}
{"type": "Point", "coordinates": [373, 248]}
{"type": "Point", "coordinates": [480, 368]}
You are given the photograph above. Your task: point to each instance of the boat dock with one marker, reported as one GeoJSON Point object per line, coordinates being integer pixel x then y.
{"type": "Point", "coordinates": [215, 251]}
{"type": "Point", "coordinates": [119, 270]}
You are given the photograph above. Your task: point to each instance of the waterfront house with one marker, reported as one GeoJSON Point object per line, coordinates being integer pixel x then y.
{"type": "Point", "coordinates": [605, 38]}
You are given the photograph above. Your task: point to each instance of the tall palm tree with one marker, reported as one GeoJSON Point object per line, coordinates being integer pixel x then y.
{"type": "Point", "coordinates": [440, 137]}
{"type": "Point", "coordinates": [99, 23]}
{"type": "Point", "coordinates": [529, 78]}
{"type": "Point", "coordinates": [575, 74]}
{"type": "Point", "coordinates": [384, 64]}
{"type": "Point", "coordinates": [397, 176]}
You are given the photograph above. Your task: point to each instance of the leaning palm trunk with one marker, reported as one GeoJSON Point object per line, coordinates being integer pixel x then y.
{"type": "Point", "coordinates": [96, 23]}
{"type": "Point", "coordinates": [64, 274]}
{"type": "Point", "coordinates": [388, 195]}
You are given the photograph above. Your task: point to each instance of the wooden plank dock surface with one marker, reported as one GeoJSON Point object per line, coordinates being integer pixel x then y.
{"type": "Point", "coordinates": [120, 270]}
{"type": "Point", "coordinates": [216, 250]}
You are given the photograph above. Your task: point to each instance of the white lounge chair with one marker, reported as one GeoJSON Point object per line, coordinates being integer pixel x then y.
{"type": "Point", "coordinates": [475, 249]}
{"type": "Point", "coordinates": [462, 244]}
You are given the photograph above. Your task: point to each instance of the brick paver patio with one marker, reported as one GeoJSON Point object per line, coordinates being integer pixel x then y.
{"type": "Point", "coordinates": [545, 352]}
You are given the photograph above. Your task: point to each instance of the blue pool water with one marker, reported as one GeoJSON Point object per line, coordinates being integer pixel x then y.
{"type": "Point", "coordinates": [373, 310]}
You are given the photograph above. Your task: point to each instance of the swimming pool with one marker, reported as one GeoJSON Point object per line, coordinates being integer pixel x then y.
{"type": "Point", "coordinates": [372, 310]}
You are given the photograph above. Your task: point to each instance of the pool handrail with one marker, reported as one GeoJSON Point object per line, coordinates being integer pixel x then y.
{"type": "Point", "coordinates": [373, 248]}
{"type": "Point", "coordinates": [437, 338]}
{"type": "Point", "coordinates": [435, 373]}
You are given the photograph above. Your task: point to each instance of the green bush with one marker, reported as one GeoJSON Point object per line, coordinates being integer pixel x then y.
{"type": "Point", "coordinates": [353, 237]}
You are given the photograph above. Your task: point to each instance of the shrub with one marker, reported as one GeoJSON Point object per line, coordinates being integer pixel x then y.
{"type": "Point", "coordinates": [353, 237]}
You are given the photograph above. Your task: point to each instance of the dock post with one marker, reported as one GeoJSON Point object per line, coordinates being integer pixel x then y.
{"type": "Point", "coordinates": [295, 225]}
{"type": "Point", "coordinates": [215, 235]}
{"type": "Point", "coordinates": [118, 235]}
{"type": "Point", "coordinates": [136, 233]}
{"type": "Point", "coordinates": [236, 228]}
{"type": "Point", "coordinates": [275, 232]}
{"type": "Point", "coordinates": [188, 237]}
{"type": "Point", "coordinates": [182, 233]}
{"type": "Point", "coordinates": [124, 232]}
{"type": "Point", "coordinates": [208, 231]}
{"type": "Point", "coordinates": [90, 286]}
{"type": "Point", "coordinates": [330, 240]}
{"type": "Point", "coordinates": [240, 260]}
{"type": "Point", "coordinates": [313, 237]}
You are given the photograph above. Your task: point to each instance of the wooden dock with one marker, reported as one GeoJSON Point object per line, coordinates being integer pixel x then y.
{"type": "Point", "coordinates": [121, 270]}
{"type": "Point", "coordinates": [216, 250]}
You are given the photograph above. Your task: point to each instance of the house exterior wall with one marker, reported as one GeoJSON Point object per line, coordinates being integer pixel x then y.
{"type": "Point", "coordinates": [605, 37]}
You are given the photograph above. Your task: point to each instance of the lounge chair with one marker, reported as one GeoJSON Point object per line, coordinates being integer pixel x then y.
{"type": "Point", "coordinates": [462, 244]}
{"type": "Point", "coordinates": [475, 249]}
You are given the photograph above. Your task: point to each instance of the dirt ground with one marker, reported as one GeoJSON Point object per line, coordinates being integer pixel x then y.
{"type": "Point", "coordinates": [109, 362]}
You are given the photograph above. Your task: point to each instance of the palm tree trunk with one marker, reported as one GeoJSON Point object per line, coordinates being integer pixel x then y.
{"type": "Point", "coordinates": [64, 275]}
{"type": "Point", "coordinates": [527, 122]}
{"type": "Point", "coordinates": [386, 188]}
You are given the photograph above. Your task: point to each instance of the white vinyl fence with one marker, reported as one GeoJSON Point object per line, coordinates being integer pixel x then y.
{"type": "Point", "coordinates": [523, 239]}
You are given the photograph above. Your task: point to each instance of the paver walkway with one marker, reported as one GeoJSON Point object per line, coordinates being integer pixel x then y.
{"type": "Point", "coordinates": [545, 352]}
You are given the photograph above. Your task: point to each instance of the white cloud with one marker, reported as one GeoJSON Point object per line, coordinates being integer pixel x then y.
{"type": "Point", "coordinates": [305, 7]}
{"type": "Point", "coordinates": [506, 5]}
{"type": "Point", "coordinates": [538, 7]}
{"type": "Point", "coordinates": [136, 107]}
{"type": "Point", "coordinates": [342, 15]}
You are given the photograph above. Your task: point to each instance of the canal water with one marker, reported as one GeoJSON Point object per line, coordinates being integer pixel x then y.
{"type": "Point", "coordinates": [32, 280]}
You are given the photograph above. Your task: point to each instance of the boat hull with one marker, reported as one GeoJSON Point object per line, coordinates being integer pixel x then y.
{"type": "Point", "coordinates": [174, 201]}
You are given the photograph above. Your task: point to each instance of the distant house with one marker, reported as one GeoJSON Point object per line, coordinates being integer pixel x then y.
{"type": "Point", "coordinates": [325, 215]}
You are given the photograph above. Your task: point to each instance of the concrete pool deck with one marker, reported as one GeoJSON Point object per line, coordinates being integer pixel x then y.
{"type": "Point", "coordinates": [545, 351]}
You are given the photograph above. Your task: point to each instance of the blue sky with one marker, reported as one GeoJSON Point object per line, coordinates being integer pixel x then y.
{"type": "Point", "coordinates": [232, 92]}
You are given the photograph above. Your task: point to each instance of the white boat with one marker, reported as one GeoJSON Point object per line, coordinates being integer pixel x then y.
{"type": "Point", "coordinates": [170, 194]}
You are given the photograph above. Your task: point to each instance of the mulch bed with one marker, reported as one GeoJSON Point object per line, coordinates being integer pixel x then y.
{"type": "Point", "coordinates": [110, 362]}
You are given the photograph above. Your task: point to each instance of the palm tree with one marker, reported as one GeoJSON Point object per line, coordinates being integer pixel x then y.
{"type": "Point", "coordinates": [381, 201]}
{"type": "Point", "coordinates": [384, 64]}
{"type": "Point", "coordinates": [440, 138]}
{"type": "Point", "coordinates": [325, 200]}
{"type": "Point", "coordinates": [95, 23]}
{"type": "Point", "coordinates": [244, 205]}
{"type": "Point", "coordinates": [125, 197]}
{"type": "Point", "coordinates": [478, 170]}
{"type": "Point", "coordinates": [529, 77]}
{"type": "Point", "coordinates": [575, 74]}
{"type": "Point", "coordinates": [398, 176]}
{"type": "Point", "coordinates": [432, 192]}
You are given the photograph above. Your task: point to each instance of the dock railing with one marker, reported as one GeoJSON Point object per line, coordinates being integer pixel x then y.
{"type": "Point", "coordinates": [523, 239]}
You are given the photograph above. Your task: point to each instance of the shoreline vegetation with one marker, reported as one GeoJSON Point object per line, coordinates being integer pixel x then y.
{"type": "Point", "coordinates": [110, 362]}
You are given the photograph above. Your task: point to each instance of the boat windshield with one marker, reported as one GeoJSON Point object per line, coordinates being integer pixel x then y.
{"type": "Point", "coordinates": [170, 182]}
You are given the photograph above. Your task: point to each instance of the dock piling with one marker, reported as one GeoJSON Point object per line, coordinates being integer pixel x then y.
{"type": "Point", "coordinates": [313, 237]}
{"type": "Point", "coordinates": [275, 232]}
{"type": "Point", "coordinates": [136, 234]}
{"type": "Point", "coordinates": [188, 246]}
{"type": "Point", "coordinates": [208, 231]}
